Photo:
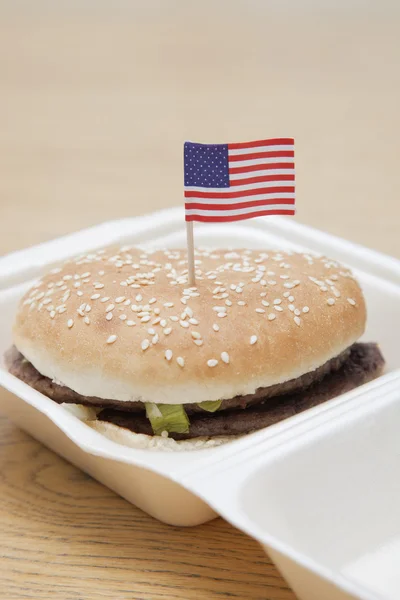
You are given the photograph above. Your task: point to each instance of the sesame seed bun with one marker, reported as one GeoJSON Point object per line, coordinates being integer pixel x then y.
{"type": "Point", "coordinates": [123, 324]}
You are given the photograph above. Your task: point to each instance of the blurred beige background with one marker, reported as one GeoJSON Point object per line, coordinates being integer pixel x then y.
{"type": "Point", "coordinates": [96, 99]}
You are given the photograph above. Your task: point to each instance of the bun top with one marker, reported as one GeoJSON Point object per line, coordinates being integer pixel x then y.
{"type": "Point", "coordinates": [122, 323]}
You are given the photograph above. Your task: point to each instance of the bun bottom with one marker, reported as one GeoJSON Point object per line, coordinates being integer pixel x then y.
{"type": "Point", "coordinates": [123, 436]}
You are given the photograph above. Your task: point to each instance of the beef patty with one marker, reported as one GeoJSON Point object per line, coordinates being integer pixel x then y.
{"type": "Point", "coordinates": [24, 370]}
{"type": "Point", "coordinates": [365, 362]}
{"type": "Point", "coordinates": [355, 366]}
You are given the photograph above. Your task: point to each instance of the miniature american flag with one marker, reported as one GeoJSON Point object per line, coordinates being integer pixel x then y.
{"type": "Point", "coordinates": [231, 182]}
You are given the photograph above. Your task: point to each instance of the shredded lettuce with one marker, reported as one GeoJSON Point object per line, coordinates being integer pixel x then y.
{"type": "Point", "coordinates": [167, 417]}
{"type": "Point", "coordinates": [210, 406]}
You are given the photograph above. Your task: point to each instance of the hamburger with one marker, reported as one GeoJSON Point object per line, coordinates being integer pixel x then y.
{"type": "Point", "coordinates": [261, 336]}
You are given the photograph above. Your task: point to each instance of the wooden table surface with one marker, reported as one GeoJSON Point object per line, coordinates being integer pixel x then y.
{"type": "Point", "coordinates": [95, 102]}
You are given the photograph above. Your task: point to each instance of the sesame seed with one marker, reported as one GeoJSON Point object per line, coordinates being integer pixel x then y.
{"type": "Point", "coordinates": [351, 301]}
{"type": "Point", "coordinates": [88, 308]}
{"type": "Point", "coordinates": [157, 311]}
{"type": "Point", "coordinates": [111, 339]}
{"type": "Point", "coordinates": [70, 323]}
{"type": "Point", "coordinates": [175, 319]}
{"type": "Point", "coordinates": [78, 284]}
{"type": "Point", "coordinates": [212, 362]}
{"type": "Point", "coordinates": [168, 304]}
{"type": "Point", "coordinates": [95, 296]}
{"type": "Point", "coordinates": [198, 342]}
{"type": "Point", "coordinates": [219, 308]}
{"type": "Point", "coordinates": [145, 319]}
{"type": "Point", "coordinates": [145, 344]}
{"type": "Point", "coordinates": [152, 300]}
{"type": "Point", "coordinates": [62, 309]}
{"type": "Point", "coordinates": [183, 316]}
{"type": "Point", "coordinates": [297, 320]}
{"type": "Point", "coordinates": [180, 361]}
{"type": "Point", "coordinates": [264, 303]}
{"type": "Point", "coordinates": [336, 292]}
{"type": "Point", "coordinates": [278, 308]}
{"type": "Point", "coordinates": [232, 286]}
{"type": "Point", "coordinates": [109, 316]}
{"type": "Point", "coordinates": [122, 317]}
{"type": "Point", "coordinates": [330, 301]}
{"type": "Point", "coordinates": [306, 309]}
{"type": "Point", "coordinates": [154, 339]}
{"type": "Point", "coordinates": [241, 303]}
{"type": "Point", "coordinates": [225, 357]}
{"type": "Point", "coordinates": [139, 298]}
{"type": "Point", "coordinates": [196, 335]}
{"type": "Point", "coordinates": [216, 327]}
{"type": "Point", "coordinates": [151, 331]}
{"type": "Point", "coordinates": [163, 322]}
{"type": "Point", "coordinates": [253, 340]}
{"type": "Point", "coordinates": [105, 299]}
{"type": "Point", "coordinates": [291, 307]}
{"type": "Point", "coordinates": [193, 321]}
{"type": "Point", "coordinates": [271, 316]}
{"type": "Point", "coordinates": [130, 323]}
{"type": "Point", "coordinates": [168, 354]}
{"type": "Point", "coordinates": [291, 298]}
{"type": "Point", "coordinates": [286, 294]}
{"type": "Point", "coordinates": [228, 302]}
{"type": "Point", "coordinates": [110, 307]}
{"type": "Point", "coordinates": [79, 293]}
{"type": "Point", "coordinates": [277, 301]}
{"type": "Point", "coordinates": [167, 330]}
{"type": "Point", "coordinates": [86, 320]}
{"type": "Point", "coordinates": [221, 314]}
{"type": "Point", "coordinates": [98, 286]}
{"type": "Point", "coordinates": [120, 299]}
{"type": "Point", "coordinates": [260, 310]}
{"type": "Point", "coordinates": [52, 314]}
{"type": "Point", "coordinates": [183, 324]}
{"type": "Point", "coordinates": [297, 312]}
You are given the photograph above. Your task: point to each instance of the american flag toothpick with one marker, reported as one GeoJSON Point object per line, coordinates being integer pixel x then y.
{"type": "Point", "coordinates": [232, 182]}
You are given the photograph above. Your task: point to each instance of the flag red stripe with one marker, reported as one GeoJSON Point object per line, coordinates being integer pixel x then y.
{"type": "Point", "coordinates": [260, 213]}
{"type": "Point", "coordinates": [267, 167]}
{"type": "Point", "coordinates": [273, 142]}
{"type": "Point", "coordinates": [236, 205]}
{"type": "Point", "coordinates": [254, 155]}
{"type": "Point", "coordinates": [262, 178]}
{"type": "Point", "coordinates": [222, 195]}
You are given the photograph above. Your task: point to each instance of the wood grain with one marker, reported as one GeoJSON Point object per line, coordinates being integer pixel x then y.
{"type": "Point", "coordinates": [66, 536]}
{"type": "Point", "coordinates": [94, 105]}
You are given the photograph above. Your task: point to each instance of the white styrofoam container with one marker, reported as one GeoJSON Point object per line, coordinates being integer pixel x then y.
{"type": "Point", "coordinates": [320, 491]}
